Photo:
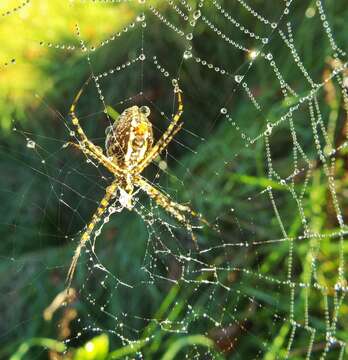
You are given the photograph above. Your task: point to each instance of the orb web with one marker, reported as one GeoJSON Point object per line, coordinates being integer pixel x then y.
{"type": "Point", "coordinates": [261, 155]}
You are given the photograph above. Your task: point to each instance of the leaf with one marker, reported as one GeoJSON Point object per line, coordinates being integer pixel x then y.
{"type": "Point", "coordinates": [128, 349]}
{"type": "Point", "coordinates": [258, 181]}
{"type": "Point", "coordinates": [95, 349]}
{"type": "Point", "coordinates": [112, 113]}
{"type": "Point", "coordinates": [275, 349]}
{"type": "Point", "coordinates": [187, 341]}
{"type": "Point", "coordinates": [43, 342]}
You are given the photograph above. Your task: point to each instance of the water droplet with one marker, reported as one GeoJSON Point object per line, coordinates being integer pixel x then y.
{"type": "Point", "coordinates": [145, 110]}
{"type": "Point", "coordinates": [197, 14]}
{"type": "Point", "coordinates": [223, 110]}
{"type": "Point", "coordinates": [141, 17]}
{"type": "Point", "coordinates": [269, 129]}
{"type": "Point", "coordinates": [31, 144]}
{"type": "Point", "coordinates": [253, 54]}
{"type": "Point", "coordinates": [238, 78]}
{"type": "Point", "coordinates": [187, 54]}
{"type": "Point", "coordinates": [142, 57]}
{"type": "Point", "coordinates": [189, 36]}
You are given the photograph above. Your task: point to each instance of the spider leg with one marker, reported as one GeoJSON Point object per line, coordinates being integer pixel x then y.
{"type": "Point", "coordinates": [83, 137]}
{"type": "Point", "coordinates": [176, 210]}
{"type": "Point", "coordinates": [74, 118]}
{"type": "Point", "coordinates": [167, 136]}
{"type": "Point", "coordinates": [98, 156]}
{"type": "Point", "coordinates": [109, 194]}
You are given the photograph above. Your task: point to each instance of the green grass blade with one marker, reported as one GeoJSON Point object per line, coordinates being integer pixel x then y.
{"type": "Point", "coordinates": [187, 341]}
{"type": "Point", "coordinates": [127, 350]}
{"type": "Point", "coordinates": [43, 342]}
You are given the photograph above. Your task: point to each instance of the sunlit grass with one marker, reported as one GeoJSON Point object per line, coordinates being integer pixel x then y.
{"type": "Point", "coordinates": [28, 35]}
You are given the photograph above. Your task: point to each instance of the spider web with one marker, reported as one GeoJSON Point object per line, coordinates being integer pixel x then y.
{"type": "Point", "coordinates": [262, 156]}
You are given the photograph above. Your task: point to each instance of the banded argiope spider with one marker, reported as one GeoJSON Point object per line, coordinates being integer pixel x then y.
{"type": "Point", "coordinates": [129, 150]}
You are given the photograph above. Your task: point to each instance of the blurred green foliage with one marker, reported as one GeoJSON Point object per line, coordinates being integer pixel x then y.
{"type": "Point", "coordinates": [35, 251]}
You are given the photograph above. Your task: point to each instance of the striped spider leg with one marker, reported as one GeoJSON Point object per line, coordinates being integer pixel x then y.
{"type": "Point", "coordinates": [176, 210]}
{"type": "Point", "coordinates": [95, 152]}
{"type": "Point", "coordinates": [85, 145]}
{"type": "Point", "coordinates": [108, 197]}
{"type": "Point", "coordinates": [167, 136]}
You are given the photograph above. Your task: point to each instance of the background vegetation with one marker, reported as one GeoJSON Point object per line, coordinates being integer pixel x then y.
{"type": "Point", "coordinates": [219, 177]}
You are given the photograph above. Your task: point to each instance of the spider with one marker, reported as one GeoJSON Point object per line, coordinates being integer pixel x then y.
{"type": "Point", "coordinates": [129, 150]}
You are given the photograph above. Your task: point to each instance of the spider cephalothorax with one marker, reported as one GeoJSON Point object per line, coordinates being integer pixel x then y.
{"type": "Point", "coordinates": [129, 150]}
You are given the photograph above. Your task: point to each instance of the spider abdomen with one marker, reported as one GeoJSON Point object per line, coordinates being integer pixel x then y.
{"type": "Point", "coordinates": [130, 138]}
